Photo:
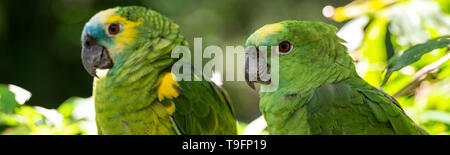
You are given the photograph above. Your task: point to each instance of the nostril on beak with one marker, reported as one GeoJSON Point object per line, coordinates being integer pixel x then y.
{"type": "Point", "coordinates": [89, 41]}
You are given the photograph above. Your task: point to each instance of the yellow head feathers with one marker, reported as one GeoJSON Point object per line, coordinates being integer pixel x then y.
{"type": "Point", "coordinates": [126, 35]}
{"type": "Point", "coordinates": [266, 30]}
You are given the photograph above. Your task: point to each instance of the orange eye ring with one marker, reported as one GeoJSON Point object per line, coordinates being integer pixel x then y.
{"type": "Point", "coordinates": [284, 47]}
{"type": "Point", "coordinates": [113, 29]}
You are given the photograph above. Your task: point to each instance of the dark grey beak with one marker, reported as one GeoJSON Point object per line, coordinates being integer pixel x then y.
{"type": "Point", "coordinates": [250, 83]}
{"type": "Point", "coordinates": [94, 56]}
{"type": "Point", "coordinates": [256, 68]}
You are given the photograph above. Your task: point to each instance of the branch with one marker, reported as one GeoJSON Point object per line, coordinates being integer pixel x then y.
{"type": "Point", "coordinates": [421, 75]}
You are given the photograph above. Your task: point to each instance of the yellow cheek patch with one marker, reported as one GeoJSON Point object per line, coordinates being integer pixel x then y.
{"type": "Point", "coordinates": [166, 87]}
{"type": "Point", "coordinates": [126, 36]}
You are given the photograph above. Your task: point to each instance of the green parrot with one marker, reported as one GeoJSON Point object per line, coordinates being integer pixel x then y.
{"type": "Point", "coordinates": [128, 52]}
{"type": "Point", "coordinates": [319, 90]}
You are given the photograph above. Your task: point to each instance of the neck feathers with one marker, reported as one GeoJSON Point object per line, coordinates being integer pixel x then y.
{"type": "Point", "coordinates": [331, 64]}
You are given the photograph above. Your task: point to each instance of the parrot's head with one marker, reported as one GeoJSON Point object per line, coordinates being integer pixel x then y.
{"type": "Point", "coordinates": [111, 33]}
{"type": "Point", "coordinates": [304, 48]}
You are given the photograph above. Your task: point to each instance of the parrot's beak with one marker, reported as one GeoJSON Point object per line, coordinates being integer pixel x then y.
{"type": "Point", "coordinates": [94, 56]}
{"type": "Point", "coordinates": [254, 67]}
{"type": "Point", "coordinates": [251, 84]}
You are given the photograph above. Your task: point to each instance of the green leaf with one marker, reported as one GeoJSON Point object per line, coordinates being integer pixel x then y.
{"type": "Point", "coordinates": [388, 44]}
{"type": "Point", "coordinates": [413, 54]}
{"type": "Point", "coordinates": [7, 100]}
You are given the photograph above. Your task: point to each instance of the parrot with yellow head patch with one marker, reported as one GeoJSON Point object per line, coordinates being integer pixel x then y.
{"type": "Point", "coordinates": [128, 52]}
{"type": "Point", "coordinates": [319, 90]}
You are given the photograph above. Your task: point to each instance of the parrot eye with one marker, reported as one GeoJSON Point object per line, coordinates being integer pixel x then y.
{"type": "Point", "coordinates": [284, 47]}
{"type": "Point", "coordinates": [113, 29]}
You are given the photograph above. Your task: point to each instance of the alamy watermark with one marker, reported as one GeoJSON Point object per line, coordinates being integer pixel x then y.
{"type": "Point", "coordinates": [258, 67]}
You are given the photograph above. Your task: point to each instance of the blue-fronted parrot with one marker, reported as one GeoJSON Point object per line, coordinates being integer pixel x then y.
{"type": "Point", "coordinates": [137, 93]}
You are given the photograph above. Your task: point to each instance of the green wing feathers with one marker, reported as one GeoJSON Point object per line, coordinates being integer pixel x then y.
{"type": "Point", "coordinates": [371, 111]}
{"type": "Point", "coordinates": [202, 108]}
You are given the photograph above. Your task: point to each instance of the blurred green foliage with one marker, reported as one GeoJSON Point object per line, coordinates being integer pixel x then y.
{"type": "Point", "coordinates": [74, 116]}
{"type": "Point", "coordinates": [390, 39]}
{"type": "Point", "coordinates": [42, 54]}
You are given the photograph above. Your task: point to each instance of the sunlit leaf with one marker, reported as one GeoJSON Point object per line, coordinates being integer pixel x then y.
{"type": "Point", "coordinates": [241, 127]}
{"type": "Point", "coordinates": [7, 100]}
{"type": "Point", "coordinates": [12, 96]}
{"type": "Point", "coordinates": [437, 116]}
{"type": "Point", "coordinates": [445, 5]}
{"type": "Point", "coordinates": [360, 7]}
{"type": "Point", "coordinates": [353, 32]}
{"type": "Point", "coordinates": [373, 51]}
{"type": "Point", "coordinates": [256, 127]}
{"type": "Point", "coordinates": [414, 53]}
